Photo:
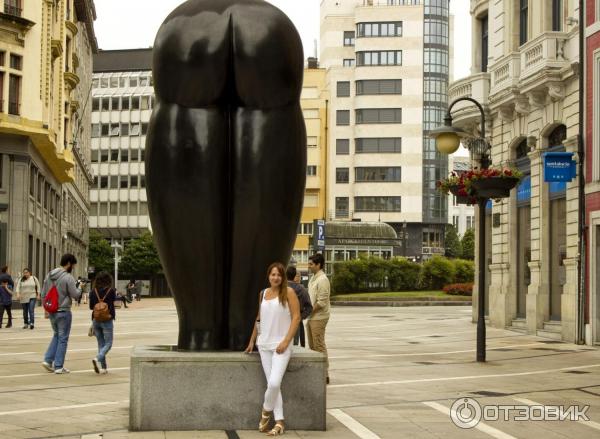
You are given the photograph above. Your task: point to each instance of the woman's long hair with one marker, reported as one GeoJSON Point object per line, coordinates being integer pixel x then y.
{"type": "Point", "coordinates": [103, 280]}
{"type": "Point", "coordinates": [284, 285]}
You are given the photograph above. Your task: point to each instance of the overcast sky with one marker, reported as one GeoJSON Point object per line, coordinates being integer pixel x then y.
{"type": "Point", "coordinates": [129, 24]}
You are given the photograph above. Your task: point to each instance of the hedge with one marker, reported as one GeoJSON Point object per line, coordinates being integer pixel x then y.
{"type": "Point", "coordinates": [399, 274]}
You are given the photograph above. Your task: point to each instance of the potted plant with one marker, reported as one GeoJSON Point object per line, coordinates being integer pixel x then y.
{"type": "Point", "coordinates": [480, 183]}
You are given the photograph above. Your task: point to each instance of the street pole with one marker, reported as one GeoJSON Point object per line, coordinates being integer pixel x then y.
{"type": "Point", "coordinates": [116, 267]}
{"type": "Point", "coordinates": [482, 202]}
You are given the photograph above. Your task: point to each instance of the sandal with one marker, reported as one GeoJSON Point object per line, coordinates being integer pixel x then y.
{"type": "Point", "coordinates": [265, 418]}
{"type": "Point", "coordinates": [278, 430]}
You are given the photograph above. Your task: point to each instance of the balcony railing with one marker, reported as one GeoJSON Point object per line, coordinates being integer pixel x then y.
{"type": "Point", "coordinates": [392, 2]}
{"type": "Point", "coordinates": [13, 9]}
{"type": "Point", "coordinates": [14, 108]}
{"type": "Point", "coordinates": [340, 214]}
{"type": "Point", "coordinates": [547, 50]}
{"type": "Point", "coordinates": [505, 73]}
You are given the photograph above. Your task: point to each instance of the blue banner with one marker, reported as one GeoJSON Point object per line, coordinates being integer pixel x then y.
{"type": "Point", "coordinates": [524, 189]}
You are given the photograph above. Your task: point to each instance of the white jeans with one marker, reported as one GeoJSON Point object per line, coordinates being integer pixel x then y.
{"type": "Point", "coordinates": [274, 365]}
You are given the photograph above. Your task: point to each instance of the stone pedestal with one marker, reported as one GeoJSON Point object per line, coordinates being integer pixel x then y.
{"type": "Point", "coordinates": [173, 390]}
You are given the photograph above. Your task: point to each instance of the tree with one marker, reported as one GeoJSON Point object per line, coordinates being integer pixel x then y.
{"type": "Point", "coordinates": [140, 257]}
{"type": "Point", "coordinates": [468, 244]}
{"type": "Point", "coordinates": [453, 246]}
{"type": "Point", "coordinates": [100, 254]}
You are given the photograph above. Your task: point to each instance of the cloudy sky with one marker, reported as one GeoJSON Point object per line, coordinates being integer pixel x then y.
{"type": "Point", "coordinates": [127, 24]}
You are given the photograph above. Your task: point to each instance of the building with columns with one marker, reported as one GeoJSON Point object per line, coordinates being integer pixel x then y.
{"type": "Point", "coordinates": [388, 65]}
{"type": "Point", "coordinates": [525, 72]}
{"type": "Point", "coordinates": [46, 52]}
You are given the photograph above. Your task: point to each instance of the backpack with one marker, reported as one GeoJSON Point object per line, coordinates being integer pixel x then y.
{"type": "Point", "coordinates": [50, 301]}
{"type": "Point", "coordinates": [101, 312]}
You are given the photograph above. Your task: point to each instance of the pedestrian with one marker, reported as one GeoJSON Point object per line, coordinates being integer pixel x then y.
{"type": "Point", "coordinates": [303, 299]}
{"type": "Point", "coordinates": [319, 291]}
{"type": "Point", "coordinates": [5, 275]}
{"type": "Point", "coordinates": [130, 288]}
{"type": "Point", "coordinates": [103, 291]}
{"type": "Point", "coordinates": [60, 320]}
{"type": "Point", "coordinates": [28, 292]}
{"type": "Point", "coordinates": [276, 323]}
{"type": "Point", "coordinates": [5, 302]}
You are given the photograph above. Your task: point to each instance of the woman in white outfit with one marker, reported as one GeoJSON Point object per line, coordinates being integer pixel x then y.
{"type": "Point", "coordinates": [278, 318]}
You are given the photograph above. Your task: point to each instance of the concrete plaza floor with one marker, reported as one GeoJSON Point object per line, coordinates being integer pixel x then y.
{"type": "Point", "coordinates": [395, 372]}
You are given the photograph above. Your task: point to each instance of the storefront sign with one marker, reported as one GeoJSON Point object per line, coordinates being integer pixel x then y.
{"type": "Point", "coordinates": [559, 166]}
{"type": "Point", "coordinates": [363, 241]}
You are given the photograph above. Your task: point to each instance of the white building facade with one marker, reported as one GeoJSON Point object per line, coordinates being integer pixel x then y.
{"type": "Point", "coordinates": [461, 216]}
{"type": "Point", "coordinates": [525, 73]}
{"type": "Point", "coordinates": [122, 100]}
{"type": "Point", "coordinates": [388, 65]}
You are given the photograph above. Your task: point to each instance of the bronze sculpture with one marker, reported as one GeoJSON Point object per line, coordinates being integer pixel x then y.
{"type": "Point", "coordinates": [225, 162]}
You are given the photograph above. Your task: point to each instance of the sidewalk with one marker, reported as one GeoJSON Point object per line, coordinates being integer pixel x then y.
{"type": "Point", "coordinates": [395, 372]}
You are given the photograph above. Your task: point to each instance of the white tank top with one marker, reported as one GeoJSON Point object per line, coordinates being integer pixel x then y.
{"type": "Point", "coordinates": [275, 321]}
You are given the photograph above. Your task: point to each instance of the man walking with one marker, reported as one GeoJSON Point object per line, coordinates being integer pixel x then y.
{"type": "Point", "coordinates": [318, 290]}
{"type": "Point", "coordinates": [5, 276]}
{"type": "Point", "coordinates": [305, 304]}
{"type": "Point", "coordinates": [61, 320]}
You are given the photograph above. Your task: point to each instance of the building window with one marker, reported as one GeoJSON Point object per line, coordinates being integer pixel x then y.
{"type": "Point", "coordinates": [114, 155]}
{"type": "Point", "coordinates": [105, 104]}
{"type": "Point", "coordinates": [134, 180]}
{"type": "Point", "coordinates": [103, 182]}
{"type": "Point", "coordinates": [16, 62]}
{"type": "Point", "coordinates": [342, 146]}
{"type": "Point", "coordinates": [114, 181]}
{"type": "Point", "coordinates": [115, 103]}
{"type": "Point", "coordinates": [135, 155]}
{"type": "Point", "coordinates": [135, 129]}
{"type": "Point", "coordinates": [523, 17]}
{"type": "Point", "coordinates": [96, 104]}
{"type": "Point", "coordinates": [379, 174]}
{"type": "Point", "coordinates": [349, 62]}
{"type": "Point", "coordinates": [124, 155]}
{"type": "Point", "coordinates": [124, 181]}
{"type": "Point", "coordinates": [484, 43]}
{"type": "Point", "coordinates": [455, 219]}
{"type": "Point", "coordinates": [13, 7]}
{"type": "Point", "coordinates": [94, 155]}
{"type": "Point", "coordinates": [14, 95]}
{"type": "Point", "coordinates": [470, 221]}
{"type": "Point", "coordinates": [311, 170]}
{"type": "Point", "coordinates": [135, 102]}
{"type": "Point", "coordinates": [342, 117]}
{"type": "Point", "coordinates": [348, 38]}
{"type": "Point", "coordinates": [342, 207]}
{"type": "Point", "coordinates": [115, 129]}
{"type": "Point", "coordinates": [114, 82]}
{"type": "Point", "coordinates": [125, 102]}
{"type": "Point", "coordinates": [343, 89]}
{"type": "Point", "coordinates": [379, 115]}
{"type": "Point", "coordinates": [377, 204]}
{"type": "Point", "coordinates": [436, 32]}
{"type": "Point", "coordinates": [381, 29]}
{"type": "Point", "coordinates": [305, 229]}
{"type": "Point", "coordinates": [342, 175]}
{"type": "Point", "coordinates": [124, 129]}
{"type": "Point", "coordinates": [104, 156]}
{"type": "Point", "coordinates": [556, 15]}
{"type": "Point", "coordinates": [145, 105]}
{"type": "Point", "coordinates": [557, 136]}
{"type": "Point", "coordinates": [435, 60]}
{"type": "Point", "coordinates": [379, 87]}
{"type": "Point", "coordinates": [379, 58]}
{"type": "Point", "coordinates": [378, 145]}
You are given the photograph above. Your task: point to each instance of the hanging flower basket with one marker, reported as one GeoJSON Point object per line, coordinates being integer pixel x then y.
{"type": "Point", "coordinates": [494, 187]}
{"type": "Point", "coordinates": [480, 183]}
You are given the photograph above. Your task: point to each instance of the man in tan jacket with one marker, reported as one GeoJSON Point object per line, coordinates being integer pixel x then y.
{"type": "Point", "coordinates": [319, 291]}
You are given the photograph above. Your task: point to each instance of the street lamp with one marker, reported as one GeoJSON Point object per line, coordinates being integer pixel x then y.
{"type": "Point", "coordinates": [447, 140]}
{"type": "Point", "coordinates": [117, 247]}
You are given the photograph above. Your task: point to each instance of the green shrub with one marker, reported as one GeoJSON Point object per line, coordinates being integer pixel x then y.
{"type": "Point", "coordinates": [464, 289]}
{"type": "Point", "coordinates": [404, 275]}
{"type": "Point", "coordinates": [436, 273]}
{"type": "Point", "coordinates": [343, 280]}
{"type": "Point", "coordinates": [464, 271]}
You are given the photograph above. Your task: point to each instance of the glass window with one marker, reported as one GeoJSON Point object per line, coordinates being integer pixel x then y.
{"type": "Point", "coordinates": [105, 104]}
{"type": "Point", "coordinates": [115, 129]}
{"type": "Point", "coordinates": [348, 38]}
{"type": "Point", "coordinates": [125, 102]}
{"type": "Point", "coordinates": [144, 128]}
{"type": "Point", "coordinates": [103, 82]}
{"type": "Point", "coordinates": [16, 62]}
{"type": "Point", "coordinates": [124, 129]}
{"type": "Point", "coordinates": [104, 129]}
{"type": "Point", "coordinates": [145, 102]}
{"type": "Point", "coordinates": [342, 146]}
{"type": "Point", "coordinates": [135, 155]}
{"type": "Point", "coordinates": [342, 175]}
{"type": "Point", "coordinates": [377, 204]}
{"type": "Point", "coordinates": [95, 130]}
{"type": "Point", "coordinates": [382, 29]}
{"type": "Point", "coordinates": [378, 145]}
{"type": "Point", "coordinates": [114, 155]}
{"type": "Point", "coordinates": [133, 208]}
{"type": "Point", "coordinates": [96, 104]}
{"type": "Point", "coordinates": [103, 155]}
{"type": "Point", "coordinates": [342, 117]}
{"type": "Point", "coordinates": [523, 17]}
{"type": "Point", "coordinates": [113, 209]}
{"type": "Point", "coordinates": [379, 58]}
{"type": "Point", "coordinates": [349, 62]}
{"type": "Point", "coordinates": [143, 208]}
{"type": "Point", "coordinates": [379, 115]}
{"type": "Point", "coordinates": [114, 181]}
{"type": "Point", "coordinates": [124, 183]}
{"type": "Point", "coordinates": [311, 170]}
{"type": "Point", "coordinates": [135, 102]}
{"type": "Point", "coordinates": [124, 155]}
{"type": "Point", "coordinates": [103, 209]}
{"type": "Point", "coordinates": [342, 207]}
{"type": "Point", "coordinates": [103, 182]}
{"type": "Point", "coordinates": [114, 82]}
{"type": "Point", "coordinates": [143, 81]}
{"type": "Point", "coordinates": [95, 155]}
{"type": "Point", "coordinates": [133, 81]}
{"type": "Point", "coordinates": [135, 129]}
{"type": "Point", "coordinates": [379, 87]}
{"type": "Point", "coordinates": [114, 102]}
{"type": "Point", "coordinates": [134, 179]}
{"type": "Point", "coordinates": [379, 174]}
{"type": "Point", "coordinates": [343, 88]}
{"type": "Point", "coordinates": [123, 82]}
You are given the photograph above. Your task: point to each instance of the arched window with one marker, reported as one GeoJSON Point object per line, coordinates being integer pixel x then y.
{"type": "Point", "coordinates": [557, 136]}
{"type": "Point", "coordinates": [522, 149]}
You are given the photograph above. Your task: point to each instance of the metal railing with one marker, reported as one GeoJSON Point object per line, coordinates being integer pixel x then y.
{"type": "Point", "coordinates": [392, 2]}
